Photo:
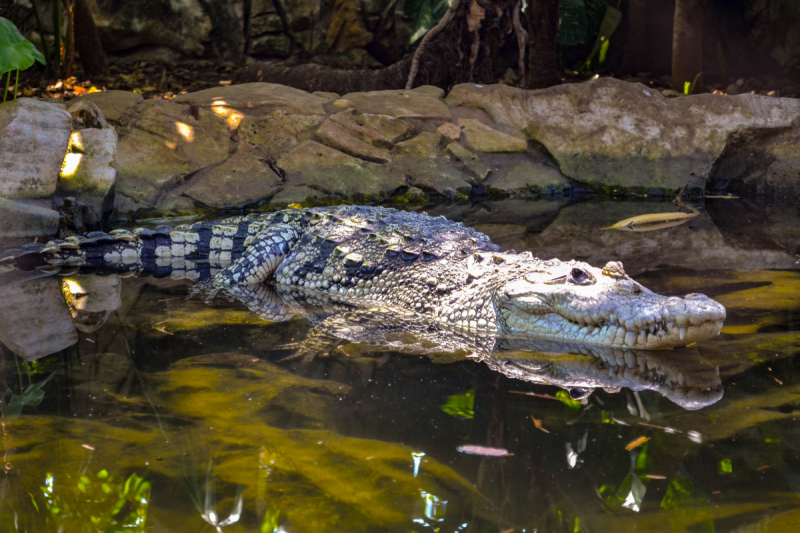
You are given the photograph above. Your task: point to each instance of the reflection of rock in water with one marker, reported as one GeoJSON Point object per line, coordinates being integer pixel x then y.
{"type": "Point", "coordinates": [736, 241]}
{"type": "Point", "coordinates": [35, 320]}
{"type": "Point", "coordinates": [92, 299]}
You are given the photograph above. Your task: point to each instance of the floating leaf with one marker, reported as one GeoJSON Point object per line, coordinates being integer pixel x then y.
{"type": "Point", "coordinates": [461, 405]}
{"type": "Point", "coordinates": [16, 52]}
{"type": "Point", "coordinates": [653, 221]}
{"type": "Point", "coordinates": [725, 467]}
{"type": "Point", "coordinates": [636, 442]}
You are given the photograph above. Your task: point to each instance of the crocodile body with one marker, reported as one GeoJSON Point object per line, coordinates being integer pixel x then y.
{"type": "Point", "coordinates": [406, 263]}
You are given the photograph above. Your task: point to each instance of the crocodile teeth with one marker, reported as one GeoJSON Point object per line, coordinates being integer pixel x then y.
{"type": "Point", "coordinates": [630, 338]}
{"type": "Point", "coordinates": [683, 333]}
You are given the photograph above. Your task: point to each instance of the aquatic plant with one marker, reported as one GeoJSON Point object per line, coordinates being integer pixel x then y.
{"type": "Point", "coordinates": [96, 503]}
{"type": "Point", "coordinates": [31, 397]}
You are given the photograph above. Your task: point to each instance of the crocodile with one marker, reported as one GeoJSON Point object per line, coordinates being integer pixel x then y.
{"type": "Point", "coordinates": [407, 263]}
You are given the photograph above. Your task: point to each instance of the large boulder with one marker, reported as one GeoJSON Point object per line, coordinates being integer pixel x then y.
{"type": "Point", "coordinates": [421, 103]}
{"type": "Point", "coordinates": [41, 322]}
{"type": "Point", "coordinates": [89, 171]}
{"type": "Point", "coordinates": [337, 174]}
{"type": "Point", "coordinates": [162, 144]}
{"type": "Point", "coordinates": [764, 163]}
{"type": "Point", "coordinates": [24, 221]}
{"type": "Point", "coordinates": [34, 136]}
{"type": "Point", "coordinates": [257, 98]}
{"type": "Point", "coordinates": [615, 135]}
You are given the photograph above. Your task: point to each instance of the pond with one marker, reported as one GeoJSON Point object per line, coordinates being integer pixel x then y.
{"type": "Point", "coordinates": [133, 406]}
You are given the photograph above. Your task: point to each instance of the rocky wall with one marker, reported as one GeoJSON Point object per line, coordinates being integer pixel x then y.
{"type": "Point", "coordinates": [266, 146]}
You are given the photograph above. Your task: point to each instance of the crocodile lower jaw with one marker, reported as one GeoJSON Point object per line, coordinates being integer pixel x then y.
{"type": "Point", "coordinates": [659, 336]}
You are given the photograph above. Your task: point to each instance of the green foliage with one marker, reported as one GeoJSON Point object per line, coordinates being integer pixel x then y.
{"type": "Point", "coordinates": [563, 397]}
{"type": "Point", "coordinates": [31, 397]}
{"type": "Point", "coordinates": [269, 524]}
{"type": "Point", "coordinates": [428, 12]}
{"type": "Point", "coordinates": [725, 467]}
{"type": "Point", "coordinates": [461, 405]}
{"type": "Point", "coordinates": [90, 504]}
{"type": "Point", "coordinates": [16, 52]}
{"type": "Point", "coordinates": [688, 87]}
{"type": "Point", "coordinates": [572, 27]}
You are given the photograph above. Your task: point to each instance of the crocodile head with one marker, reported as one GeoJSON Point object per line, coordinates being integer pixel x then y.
{"type": "Point", "coordinates": [575, 302]}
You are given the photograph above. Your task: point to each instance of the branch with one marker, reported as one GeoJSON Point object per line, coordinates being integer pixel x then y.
{"type": "Point", "coordinates": [428, 36]}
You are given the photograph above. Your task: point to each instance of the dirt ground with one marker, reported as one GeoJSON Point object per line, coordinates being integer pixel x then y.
{"type": "Point", "coordinates": [158, 79]}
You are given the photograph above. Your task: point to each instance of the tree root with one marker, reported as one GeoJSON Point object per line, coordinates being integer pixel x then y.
{"type": "Point", "coordinates": [522, 42]}
{"type": "Point", "coordinates": [428, 36]}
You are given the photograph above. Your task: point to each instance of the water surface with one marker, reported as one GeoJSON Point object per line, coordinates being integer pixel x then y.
{"type": "Point", "coordinates": [168, 414]}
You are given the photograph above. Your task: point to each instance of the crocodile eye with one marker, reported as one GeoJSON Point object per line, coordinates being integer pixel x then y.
{"type": "Point", "coordinates": [579, 393]}
{"type": "Point", "coordinates": [579, 276]}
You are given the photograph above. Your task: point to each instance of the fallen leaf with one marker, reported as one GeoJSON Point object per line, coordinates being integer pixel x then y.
{"type": "Point", "coordinates": [538, 424]}
{"type": "Point", "coordinates": [654, 476]}
{"type": "Point", "coordinates": [474, 449]}
{"type": "Point", "coordinates": [652, 221]}
{"type": "Point", "coordinates": [636, 442]}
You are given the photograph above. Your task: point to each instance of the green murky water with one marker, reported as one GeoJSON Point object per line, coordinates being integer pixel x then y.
{"type": "Point", "coordinates": [168, 414]}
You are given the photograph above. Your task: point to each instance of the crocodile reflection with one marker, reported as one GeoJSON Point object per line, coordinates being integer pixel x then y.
{"type": "Point", "coordinates": [678, 375]}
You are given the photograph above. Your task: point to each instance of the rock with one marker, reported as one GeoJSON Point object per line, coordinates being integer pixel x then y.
{"type": "Point", "coordinates": [292, 194]}
{"type": "Point", "coordinates": [342, 104]}
{"type": "Point", "coordinates": [264, 96]}
{"type": "Point", "coordinates": [421, 103]}
{"type": "Point", "coordinates": [366, 136]}
{"type": "Point", "coordinates": [472, 163]}
{"type": "Point", "coordinates": [346, 30]}
{"type": "Point", "coordinates": [41, 322]}
{"type": "Point", "coordinates": [422, 160]}
{"type": "Point", "coordinates": [450, 131]}
{"type": "Point", "coordinates": [273, 45]}
{"type": "Point", "coordinates": [242, 180]}
{"type": "Point", "coordinates": [335, 173]}
{"type": "Point", "coordinates": [85, 114]}
{"type": "Point", "coordinates": [482, 138]}
{"type": "Point", "coordinates": [613, 134]}
{"type": "Point", "coordinates": [760, 164]}
{"type": "Point", "coordinates": [20, 220]}
{"type": "Point", "coordinates": [183, 26]}
{"type": "Point", "coordinates": [425, 145]}
{"type": "Point", "coordinates": [336, 135]}
{"type": "Point", "coordinates": [378, 130]}
{"type": "Point", "coordinates": [89, 169]}
{"type": "Point", "coordinates": [34, 137]}
{"type": "Point", "coordinates": [412, 195]}
{"type": "Point", "coordinates": [529, 179]}
{"type": "Point", "coordinates": [113, 104]}
{"type": "Point", "coordinates": [437, 176]}
{"type": "Point", "coordinates": [163, 143]}
{"type": "Point", "coordinates": [326, 95]}
{"type": "Point", "coordinates": [277, 132]}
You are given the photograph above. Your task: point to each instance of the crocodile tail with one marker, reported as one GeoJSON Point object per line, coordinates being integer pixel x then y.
{"type": "Point", "coordinates": [120, 250]}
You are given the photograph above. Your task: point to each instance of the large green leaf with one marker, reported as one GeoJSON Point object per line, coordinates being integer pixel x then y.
{"type": "Point", "coordinates": [16, 52]}
{"type": "Point", "coordinates": [429, 14]}
{"type": "Point", "coordinates": [571, 22]}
